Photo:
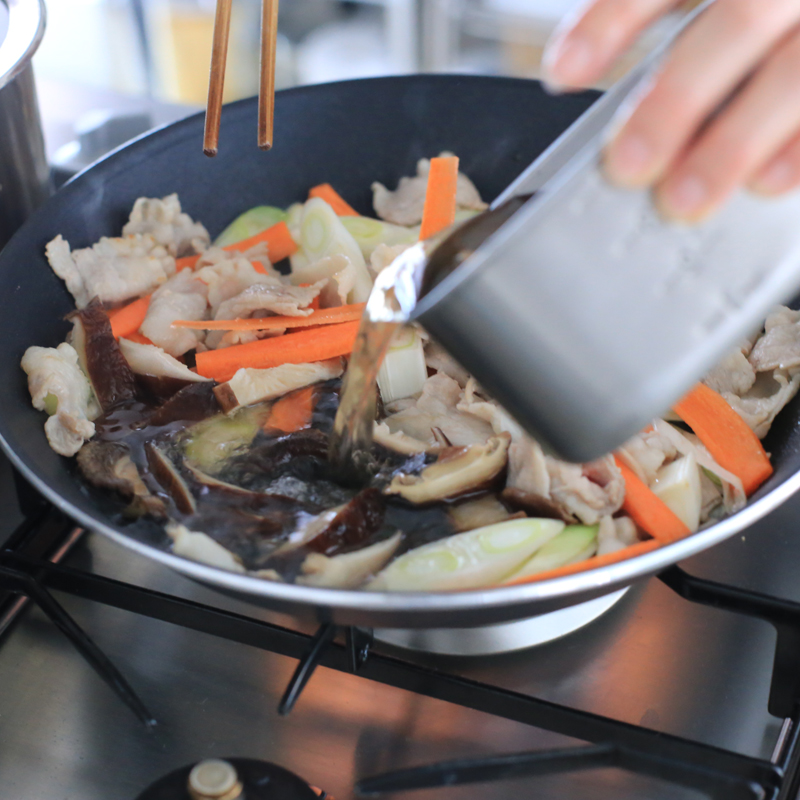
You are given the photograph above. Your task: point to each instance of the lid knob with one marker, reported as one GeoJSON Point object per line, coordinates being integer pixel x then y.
{"type": "Point", "coordinates": [214, 779]}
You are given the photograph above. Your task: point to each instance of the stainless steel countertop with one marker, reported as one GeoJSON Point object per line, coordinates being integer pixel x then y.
{"type": "Point", "coordinates": [654, 659]}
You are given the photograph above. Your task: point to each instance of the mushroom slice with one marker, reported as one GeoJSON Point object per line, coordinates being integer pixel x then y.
{"type": "Point", "coordinates": [250, 386]}
{"type": "Point", "coordinates": [149, 359]}
{"type": "Point", "coordinates": [310, 528]}
{"type": "Point", "coordinates": [111, 377]}
{"type": "Point", "coordinates": [350, 570]}
{"type": "Point", "coordinates": [481, 512]}
{"type": "Point", "coordinates": [108, 465]}
{"type": "Point", "coordinates": [353, 525]}
{"type": "Point", "coordinates": [208, 480]}
{"type": "Point", "coordinates": [441, 437]}
{"type": "Point", "coordinates": [458, 471]}
{"type": "Point", "coordinates": [164, 471]}
{"type": "Point", "coordinates": [195, 402]}
{"type": "Point", "coordinates": [535, 505]}
{"type": "Point", "coordinates": [400, 442]}
{"type": "Point", "coordinates": [201, 547]}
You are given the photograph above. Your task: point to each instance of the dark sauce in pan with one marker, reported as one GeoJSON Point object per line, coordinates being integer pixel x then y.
{"type": "Point", "coordinates": [256, 499]}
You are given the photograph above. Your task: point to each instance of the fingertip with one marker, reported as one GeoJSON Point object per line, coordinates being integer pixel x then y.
{"type": "Point", "coordinates": [569, 61]}
{"type": "Point", "coordinates": [775, 179]}
{"type": "Point", "coordinates": [556, 89]}
{"type": "Point", "coordinates": [628, 161]}
{"type": "Point", "coordinates": [685, 200]}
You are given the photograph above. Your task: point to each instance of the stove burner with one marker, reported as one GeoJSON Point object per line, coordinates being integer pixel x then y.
{"type": "Point", "coordinates": [29, 567]}
{"type": "Point", "coordinates": [231, 779]}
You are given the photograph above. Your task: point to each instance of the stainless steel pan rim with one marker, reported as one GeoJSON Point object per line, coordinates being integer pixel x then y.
{"type": "Point", "coordinates": [425, 605]}
{"type": "Point", "coordinates": [26, 20]}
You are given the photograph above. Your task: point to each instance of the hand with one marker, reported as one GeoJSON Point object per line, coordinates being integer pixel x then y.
{"type": "Point", "coordinates": [674, 141]}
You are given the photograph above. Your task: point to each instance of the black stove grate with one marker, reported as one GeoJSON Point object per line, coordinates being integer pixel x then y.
{"type": "Point", "coordinates": [30, 568]}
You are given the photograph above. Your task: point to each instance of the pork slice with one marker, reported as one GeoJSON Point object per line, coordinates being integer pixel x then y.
{"type": "Point", "coordinates": [734, 374]}
{"type": "Point", "coordinates": [436, 357]}
{"type": "Point", "coordinates": [168, 225]}
{"type": "Point", "coordinates": [280, 299]}
{"type": "Point", "coordinates": [587, 491]}
{"type": "Point", "coordinates": [646, 453]}
{"type": "Point", "coordinates": [227, 275]}
{"type": "Point", "coordinates": [56, 372]}
{"type": "Point", "coordinates": [218, 340]}
{"type": "Point", "coordinates": [436, 407]}
{"type": "Point", "coordinates": [614, 534]}
{"type": "Point", "coordinates": [779, 347]}
{"type": "Point", "coordinates": [385, 254]}
{"type": "Point", "coordinates": [769, 395]}
{"type": "Point", "coordinates": [113, 270]}
{"type": "Point", "coordinates": [404, 206]}
{"type": "Point", "coordinates": [182, 297]}
{"type": "Point", "coordinates": [527, 468]}
{"type": "Point", "coordinates": [339, 272]}
{"type": "Point", "coordinates": [489, 411]}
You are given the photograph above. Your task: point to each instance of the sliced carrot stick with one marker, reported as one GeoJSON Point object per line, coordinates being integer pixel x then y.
{"type": "Point", "coordinates": [324, 316]}
{"type": "Point", "coordinates": [128, 319]}
{"type": "Point", "coordinates": [327, 193]}
{"type": "Point", "coordinates": [187, 262]}
{"type": "Point", "coordinates": [280, 245]}
{"type": "Point", "coordinates": [292, 412]}
{"type": "Point", "coordinates": [279, 241]}
{"type": "Point", "coordinates": [440, 198]}
{"type": "Point", "coordinates": [591, 563]}
{"type": "Point", "coordinates": [726, 435]}
{"type": "Point", "coordinates": [648, 510]}
{"type": "Point", "coordinates": [291, 348]}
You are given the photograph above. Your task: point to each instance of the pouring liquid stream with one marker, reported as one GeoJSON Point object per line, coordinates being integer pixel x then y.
{"type": "Point", "coordinates": [390, 305]}
{"type": "Point", "coordinates": [351, 440]}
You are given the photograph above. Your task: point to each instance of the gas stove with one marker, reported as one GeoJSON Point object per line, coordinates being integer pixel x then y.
{"type": "Point", "coordinates": [118, 675]}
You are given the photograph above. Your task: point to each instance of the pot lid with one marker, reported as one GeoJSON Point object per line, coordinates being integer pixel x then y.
{"type": "Point", "coordinates": [21, 30]}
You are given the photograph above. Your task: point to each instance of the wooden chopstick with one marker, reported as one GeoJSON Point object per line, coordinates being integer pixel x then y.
{"type": "Point", "coordinates": [266, 88]}
{"type": "Point", "coordinates": [216, 82]}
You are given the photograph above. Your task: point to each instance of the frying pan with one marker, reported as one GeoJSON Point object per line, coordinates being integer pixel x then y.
{"type": "Point", "coordinates": [347, 134]}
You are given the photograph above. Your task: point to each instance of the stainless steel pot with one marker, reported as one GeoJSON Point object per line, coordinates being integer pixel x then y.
{"type": "Point", "coordinates": [24, 174]}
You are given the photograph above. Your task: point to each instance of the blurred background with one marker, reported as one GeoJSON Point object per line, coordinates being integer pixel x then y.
{"type": "Point", "coordinates": [110, 69]}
